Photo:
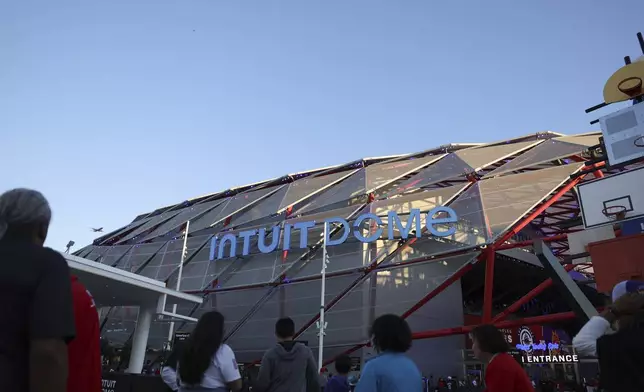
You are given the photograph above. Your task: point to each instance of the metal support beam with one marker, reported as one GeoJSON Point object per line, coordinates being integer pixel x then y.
{"type": "Point", "coordinates": [568, 288]}
{"type": "Point", "coordinates": [538, 320]}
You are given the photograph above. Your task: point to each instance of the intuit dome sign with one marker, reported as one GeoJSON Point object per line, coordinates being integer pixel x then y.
{"type": "Point", "coordinates": [439, 222]}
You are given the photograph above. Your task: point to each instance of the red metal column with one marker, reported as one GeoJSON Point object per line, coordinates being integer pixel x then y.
{"type": "Point", "coordinates": [489, 285]}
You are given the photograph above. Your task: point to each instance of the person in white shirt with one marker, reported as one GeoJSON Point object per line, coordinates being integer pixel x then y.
{"type": "Point", "coordinates": [586, 340]}
{"type": "Point", "coordinates": [169, 371]}
{"type": "Point", "coordinates": [206, 364]}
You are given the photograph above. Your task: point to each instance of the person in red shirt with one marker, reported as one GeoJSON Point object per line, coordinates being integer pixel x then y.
{"type": "Point", "coordinates": [503, 373]}
{"type": "Point", "coordinates": [85, 349]}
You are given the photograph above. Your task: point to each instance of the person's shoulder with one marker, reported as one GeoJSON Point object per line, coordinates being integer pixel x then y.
{"type": "Point", "coordinates": [51, 256]}
{"type": "Point", "coordinates": [225, 351]}
{"type": "Point", "coordinates": [303, 347]}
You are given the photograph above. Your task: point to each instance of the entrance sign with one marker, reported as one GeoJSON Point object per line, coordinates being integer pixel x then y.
{"type": "Point", "coordinates": [439, 222]}
{"type": "Point", "coordinates": [569, 358]}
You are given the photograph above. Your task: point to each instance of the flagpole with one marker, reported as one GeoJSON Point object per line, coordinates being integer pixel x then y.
{"type": "Point", "coordinates": [321, 323]}
{"type": "Point", "coordinates": [184, 251]}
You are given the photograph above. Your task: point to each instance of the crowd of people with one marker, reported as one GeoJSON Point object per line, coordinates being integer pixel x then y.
{"type": "Point", "coordinates": [49, 334]}
{"type": "Point", "coordinates": [207, 364]}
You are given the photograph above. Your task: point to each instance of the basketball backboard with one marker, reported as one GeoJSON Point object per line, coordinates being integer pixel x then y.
{"type": "Point", "coordinates": [620, 193]}
{"type": "Point", "coordinates": [579, 240]}
{"type": "Point", "coordinates": [623, 133]}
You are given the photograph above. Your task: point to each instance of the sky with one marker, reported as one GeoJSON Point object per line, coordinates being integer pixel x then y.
{"type": "Point", "coordinates": [116, 108]}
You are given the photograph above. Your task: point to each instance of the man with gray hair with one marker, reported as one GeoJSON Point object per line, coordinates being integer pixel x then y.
{"type": "Point", "coordinates": [35, 297]}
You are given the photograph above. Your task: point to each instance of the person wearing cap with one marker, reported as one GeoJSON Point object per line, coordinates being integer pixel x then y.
{"type": "Point", "coordinates": [585, 342]}
{"type": "Point", "coordinates": [619, 352]}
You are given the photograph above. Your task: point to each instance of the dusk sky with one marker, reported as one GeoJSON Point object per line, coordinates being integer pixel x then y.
{"type": "Point", "coordinates": [116, 108]}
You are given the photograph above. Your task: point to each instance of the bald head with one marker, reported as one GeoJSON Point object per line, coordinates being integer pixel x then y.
{"type": "Point", "coordinates": [24, 214]}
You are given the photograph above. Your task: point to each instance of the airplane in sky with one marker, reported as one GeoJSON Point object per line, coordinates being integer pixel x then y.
{"type": "Point", "coordinates": [99, 230]}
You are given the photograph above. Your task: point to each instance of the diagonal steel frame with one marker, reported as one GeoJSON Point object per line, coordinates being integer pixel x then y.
{"type": "Point", "coordinates": [520, 225]}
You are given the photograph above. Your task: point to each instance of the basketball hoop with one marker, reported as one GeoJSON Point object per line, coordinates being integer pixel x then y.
{"type": "Point", "coordinates": [614, 213]}
{"type": "Point", "coordinates": [639, 142]}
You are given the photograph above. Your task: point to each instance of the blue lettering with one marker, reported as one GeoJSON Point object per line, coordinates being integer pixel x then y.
{"type": "Point", "coordinates": [357, 232]}
{"type": "Point", "coordinates": [394, 221]}
{"type": "Point", "coordinates": [345, 232]}
{"type": "Point", "coordinates": [433, 220]}
{"type": "Point", "coordinates": [213, 248]}
{"type": "Point", "coordinates": [222, 244]}
{"type": "Point", "coordinates": [275, 238]}
{"type": "Point", "coordinates": [246, 236]}
{"type": "Point", "coordinates": [444, 217]}
{"type": "Point", "coordinates": [287, 237]}
{"type": "Point", "coordinates": [304, 232]}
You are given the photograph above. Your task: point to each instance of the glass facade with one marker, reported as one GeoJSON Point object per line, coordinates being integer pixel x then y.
{"type": "Point", "coordinates": [364, 280]}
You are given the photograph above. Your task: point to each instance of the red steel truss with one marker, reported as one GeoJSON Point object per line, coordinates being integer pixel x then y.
{"type": "Point", "coordinates": [558, 204]}
{"type": "Point", "coordinates": [545, 218]}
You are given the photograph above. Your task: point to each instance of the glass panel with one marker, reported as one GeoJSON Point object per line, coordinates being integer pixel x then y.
{"type": "Point", "coordinates": [138, 256]}
{"type": "Point", "coordinates": [252, 269]}
{"type": "Point", "coordinates": [547, 151]}
{"type": "Point", "coordinates": [508, 198]}
{"type": "Point", "coordinates": [123, 230]}
{"type": "Point", "coordinates": [391, 291]}
{"type": "Point", "coordinates": [471, 230]}
{"type": "Point", "coordinates": [458, 163]}
{"type": "Point", "coordinates": [234, 305]}
{"type": "Point", "coordinates": [114, 254]}
{"type": "Point", "coordinates": [382, 173]}
{"type": "Point", "coordinates": [258, 332]}
{"type": "Point", "coordinates": [302, 301]}
{"type": "Point", "coordinates": [208, 218]}
{"type": "Point", "coordinates": [477, 158]}
{"type": "Point", "coordinates": [343, 192]}
{"type": "Point", "coordinates": [449, 167]}
{"type": "Point", "coordinates": [84, 251]}
{"type": "Point", "coordinates": [424, 201]}
{"type": "Point", "coordinates": [262, 209]}
{"type": "Point", "coordinates": [120, 324]}
{"type": "Point", "coordinates": [167, 260]}
{"type": "Point", "coordinates": [182, 217]}
{"type": "Point", "coordinates": [300, 189]}
{"type": "Point", "coordinates": [299, 301]}
{"type": "Point", "coordinates": [586, 140]}
{"type": "Point", "coordinates": [97, 252]}
{"type": "Point", "coordinates": [195, 272]}
{"type": "Point", "coordinates": [158, 336]}
{"type": "Point", "coordinates": [346, 257]}
{"type": "Point", "coordinates": [243, 200]}
{"type": "Point", "coordinates": [139, 233]}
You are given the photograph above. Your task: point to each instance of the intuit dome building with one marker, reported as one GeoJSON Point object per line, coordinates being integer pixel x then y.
{"type": "Point", "coordinates": [255, 252]}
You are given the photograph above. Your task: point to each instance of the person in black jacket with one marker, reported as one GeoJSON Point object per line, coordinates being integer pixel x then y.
{"type": "Point", "coordinates": [620, 354]}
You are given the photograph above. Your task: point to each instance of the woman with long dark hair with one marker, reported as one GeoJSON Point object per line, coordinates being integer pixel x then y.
{"type": "Point", "coordinates": [206, 363]}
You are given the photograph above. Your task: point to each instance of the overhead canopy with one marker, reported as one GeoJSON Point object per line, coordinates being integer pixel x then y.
{"type": "Point", "coordinates": [114, 287]}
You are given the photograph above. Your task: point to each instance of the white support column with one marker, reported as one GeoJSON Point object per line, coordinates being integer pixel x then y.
{"type": "Point", "coordinates": [140, 340]}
